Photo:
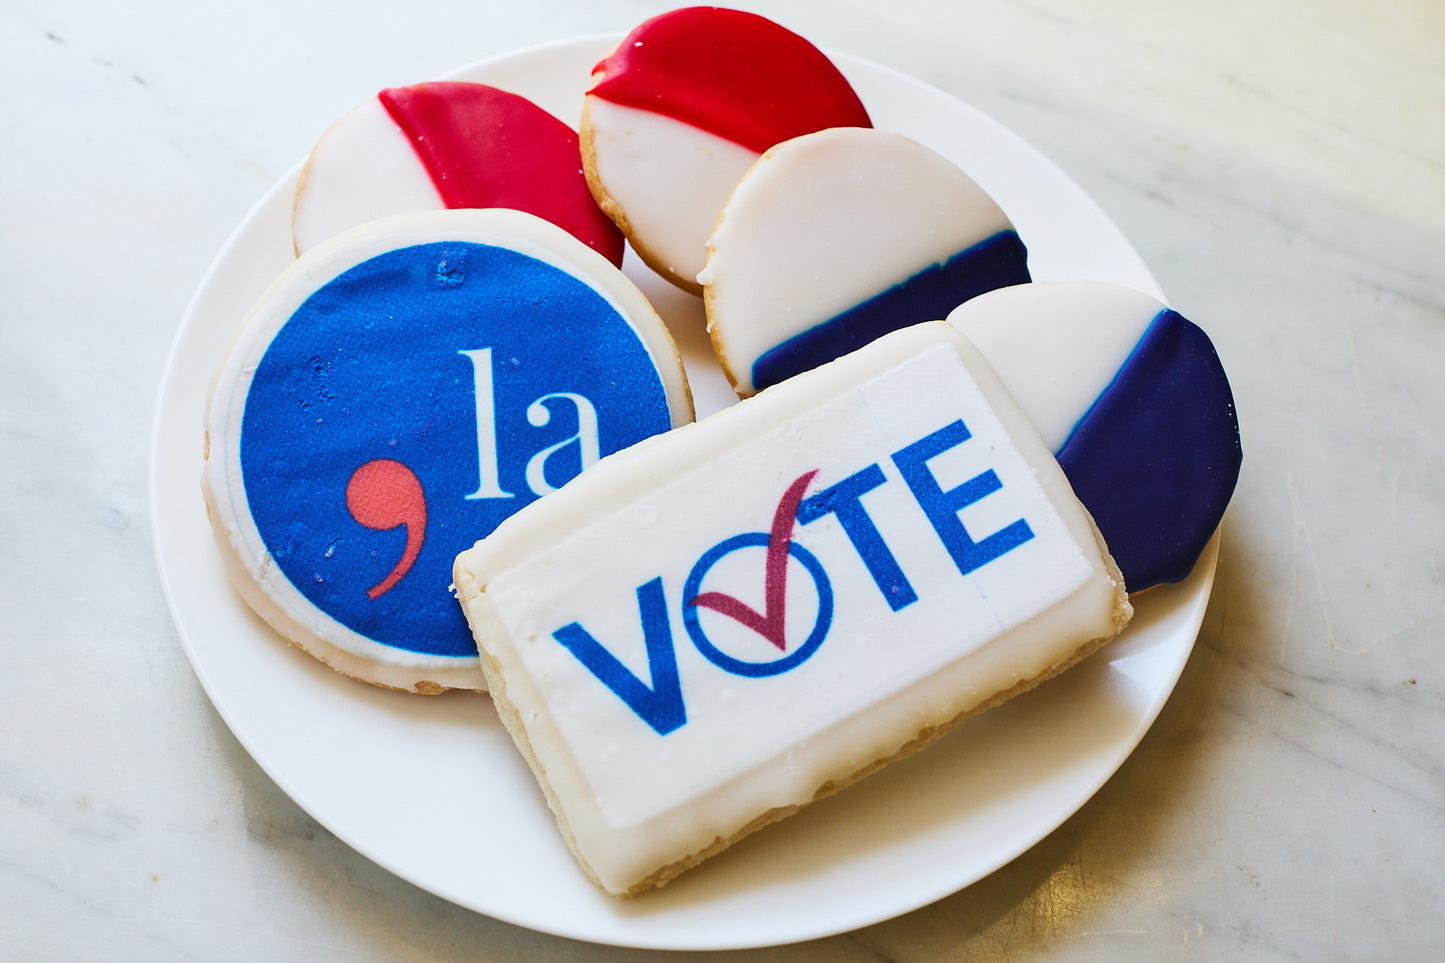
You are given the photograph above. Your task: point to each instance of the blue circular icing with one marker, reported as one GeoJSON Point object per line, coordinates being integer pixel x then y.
{"type": "Point", "coordinates": [382, 363]}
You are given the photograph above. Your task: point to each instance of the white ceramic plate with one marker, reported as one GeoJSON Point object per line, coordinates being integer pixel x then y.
{"type": "Point", "coordinates": [432, 789]}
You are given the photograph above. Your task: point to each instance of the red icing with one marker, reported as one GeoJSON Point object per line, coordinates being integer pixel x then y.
{"type": "Point", "coordinates": [770, 624]}
{"type": "Point", "coordinates": [383, 494]}
{"type": "Point", "coordinates": [484, 147]}
{"type": "Point", "coordinates": [734, 74]}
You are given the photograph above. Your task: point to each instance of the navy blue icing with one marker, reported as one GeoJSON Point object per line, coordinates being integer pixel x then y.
{"type": "Point", "coordinates": [1156, 457]}
{"type": "Point", "coordinates": [996, 262]}
{"type": "Point", "coordinates": [369, 367]}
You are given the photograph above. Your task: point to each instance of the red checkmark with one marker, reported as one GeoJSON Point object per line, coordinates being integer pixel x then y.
{"type": "Point", "coordinates": [770, 623]}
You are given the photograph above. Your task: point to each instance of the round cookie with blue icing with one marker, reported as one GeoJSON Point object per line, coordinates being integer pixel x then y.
{"type": "Point", "coordinates": [1133, 401]}
{"type": "Point", "coordinates": [398, 392]}
{"type": "Point", "coordinates": [836, 238]}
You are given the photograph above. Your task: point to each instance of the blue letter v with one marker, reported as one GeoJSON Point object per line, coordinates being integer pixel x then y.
{"type": "Point", "coordinates": [660, 705]}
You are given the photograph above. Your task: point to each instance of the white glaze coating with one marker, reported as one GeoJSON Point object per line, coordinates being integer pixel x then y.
{"type": "Point", "coordinates": [669, 180]}
{"type": "Point", "coordinates": [364, 167]}
{"type": "Point", "coordinates": [1056, 345]}
{"type": "Point", "coordinates": [631, 801]}
{"type": "Point", "coordinates": [251, 569]}
{"type": "Point", "coordinates": [824, 222]}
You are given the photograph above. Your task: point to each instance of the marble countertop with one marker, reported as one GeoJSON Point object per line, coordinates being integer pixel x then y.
{"type": "Point", "coordinates": [1279, 165]}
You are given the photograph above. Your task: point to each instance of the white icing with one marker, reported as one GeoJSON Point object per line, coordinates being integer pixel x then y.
{"type": "Point", "coordinates": [824, 222]}
{"type": "Point", "coordinates": [670, 180]}
{"type": "Point", "coordinates": [364, 167]}
{"type": "Point", "coordinates": [633, 801]}
{"type": "Point", "coordinates": [1056, 345]}
{"type": "Point", "coordinates": [262, 583]}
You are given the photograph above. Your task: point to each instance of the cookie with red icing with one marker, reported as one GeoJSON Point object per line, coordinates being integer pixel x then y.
{"type": "Point", "coordinates": [683, 107]}
{"type": "Point", "coordinates": [447, 145]}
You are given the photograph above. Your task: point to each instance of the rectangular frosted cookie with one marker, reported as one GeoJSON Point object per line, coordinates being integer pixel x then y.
{"type": "Point", "coordinates": [705, 632]}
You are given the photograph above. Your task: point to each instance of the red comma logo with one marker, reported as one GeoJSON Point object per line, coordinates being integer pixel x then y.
{"type": "Point", "coordinates": [384, 494]}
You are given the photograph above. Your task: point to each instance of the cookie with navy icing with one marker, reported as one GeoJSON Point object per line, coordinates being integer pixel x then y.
{"type": "Point", "coordinates": [396, 394]}
{"type": "Point", "coordinates": [838, 237]}
{"type": "Point", "coordinates": [683, 107]}
{"type": "Point", "coordinates": [446, 145]}
{"type": "Point", "coordinates": [1135, 404]}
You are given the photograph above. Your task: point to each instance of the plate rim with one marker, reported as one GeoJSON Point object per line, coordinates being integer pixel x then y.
{"type": "Point", "coordinates": [1201, 579]}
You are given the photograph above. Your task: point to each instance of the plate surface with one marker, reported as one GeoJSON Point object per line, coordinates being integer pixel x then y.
{"type": "Point", "coordinates": [432, 788]}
